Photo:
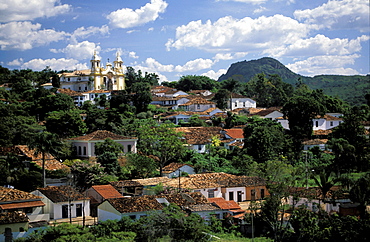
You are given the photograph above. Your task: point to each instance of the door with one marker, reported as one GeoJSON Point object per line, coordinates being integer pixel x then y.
{"type": "Point", "coordinates": [64, 211]}
{"type": "Point", "coordinates": [78, 210]}
{"type": "Point", "coordinates": [231, 196]}
{"type": "Point", "coordinates": [239, 196]}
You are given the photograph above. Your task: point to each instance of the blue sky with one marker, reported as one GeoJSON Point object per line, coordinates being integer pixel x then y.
{"type": "Point", "coordinates": [173, 38]}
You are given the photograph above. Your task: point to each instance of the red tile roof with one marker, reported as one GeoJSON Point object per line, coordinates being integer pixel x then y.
{"type": "Point", "coordinates": [107, 191]}
{"type": "Point", "coordinates": [197, 100]}
{"type": "Point", "coordinates": [29, 204]}
{"type": "Point", "coordinates": [199, 135]}
{"type": "Point", "coordinates": [223, 204]}
{"type": "Point", "coordinates": [135, 204]}
{"type": "Point", "coordinates": [235, 133]}
{"type": "Point", "coordinates": [101, 135]}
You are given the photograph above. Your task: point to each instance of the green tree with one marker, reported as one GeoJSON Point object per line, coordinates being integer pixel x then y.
{"type": "Point", "coordinates": [265, 139]}
{"type": "Point", "coordinates": [221, 98]}
{"type": "Point", "coordinates": [66, 123]}
{"type": "Point", "coordinates": [160, 142]}
{"type": "Point", "coordinates": [360, 193]}
{"type": "Point", "coordinates": [193, 82]}
{"type": "Point", "coordinates": [107, 155]}
{"type": "Point", "coordinates": [44, 143]}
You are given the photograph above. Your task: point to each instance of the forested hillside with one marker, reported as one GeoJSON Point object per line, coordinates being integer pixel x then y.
{"type": "Point", "coordinates": [351, 89]}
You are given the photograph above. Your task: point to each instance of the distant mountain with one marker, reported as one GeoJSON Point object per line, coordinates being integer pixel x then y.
{"type": "Point", "coordinates": [351, 89]}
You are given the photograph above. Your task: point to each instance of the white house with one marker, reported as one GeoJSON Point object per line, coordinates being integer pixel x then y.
{"type": "Point", "coordinates": [85, 145]}
{"type": "Point", "coordinates": [240, 101]}
{"type": "Point", "coordinates": [197, 104]}
{"type": "Point", "coordinates": [133, 207]}
{"type": "Point", "coordinates": [176, 169]}
{"type": "Point", "coordinates": [63, 202]}
{"type": "Point", "coordinates": [326, 122]}
{"type": "Point", "coordinates": [14, 200]}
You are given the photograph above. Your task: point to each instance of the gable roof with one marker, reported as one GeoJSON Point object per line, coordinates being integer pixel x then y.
{"type": "Point", "coordinates": [199, 135]}
{"type": "Point", "coordinates": [107, 191]}
{"type": "Point", "coordinates": [173, 167]}
{"type": "Point", "coordinates": [235, 133]}
{"type": "Point", "coordinates": [152, 181]}
{"type": "Point", "coordinates": [101, 135]}
{"type": "Point", "coordinates": [69, 92]}
{"type": "Point", "coordinates": [22, 150]}
{"type": "Point", "coordinates": [135, 204]}
{"type": "Point", "coordinates": [197, 100]}
{"type": "Point", "coordinates": [61, 194]}
{"type": "Point", "coordinates": [13, 199]}
{"type": "Point", "coordinates": [180, 200]}
{"type": "Point", "coordinates": [315, 142]}
{"type": "Point", "coordinates": [223, 204]}
{"type": "Point", "coordinates": [267, 111]}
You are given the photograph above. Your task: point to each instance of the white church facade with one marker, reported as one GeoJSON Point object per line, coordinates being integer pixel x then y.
{"type": "Point", "coordinates": [111, 77]}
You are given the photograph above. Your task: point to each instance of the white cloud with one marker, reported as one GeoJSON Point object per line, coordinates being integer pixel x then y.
{"type": "Point", "coordinates": [83, 32]}
{"type": "Point", "coordinates": [244, 1]}
{"type": "Point", "coordinates": [229, 34]}
{"type": "Point", "coordinates": [155, 65]}
{"type": "Point", "coordinates": [128, 18]}
{"type": "Point", "coordinates": [229, 56]}
{"type": "Point", "coordinates": [259, 10]}
{"type": "Point", "coordinates": [25, 35]}
{"type": "Point", "coordinates": [20, 10]}
{"type": "Point", "coordinates": [336, 14]}
{"type": "Point", "coordinates": [195, 65]}
{"type": "Point", "coordinates": [319, 45]}
{"type": "Point", "coordinates": [54, 64]}
{"type": "Point", "coordinates": [132, 54]}
{"type": "Point", "coordinates": [214, 75]}
{"type": "Point", "coordinates": [329, 64]}
{"type": "Point", "coordinates": [79, 51]}
{"type": "Point", "coordinates": [16, 62]}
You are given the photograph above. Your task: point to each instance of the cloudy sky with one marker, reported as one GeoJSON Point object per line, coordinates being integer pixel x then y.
{"type": "Point", "coordinates": [174, 38]}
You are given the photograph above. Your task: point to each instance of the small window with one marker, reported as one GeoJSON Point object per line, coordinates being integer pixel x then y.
{"type": "Point", "coordinates": [79, 150]}
{"type": "Point", "coordinates": [84, 150]}
{"type": "Point", "coordinates": [129, 147]}
{"type": "Point", "coordinates": [262, 193]}
{"type": "Point", "coordinates": [79, 88]}
{"type": "Point", "coordinates": [199, 147]}
{"type": "Point", "coordinates": [198, 106]}
{"type": "Point", "coordinates": [331, 123]}
{"type": "Point", "coordinates": [211, 193]}
{"type": "Point", "coordinates": [253, 195]}
{"type": "Point", "coordinates": [133, 217]}
{"type": "Point", "coordinates": [317, 123]}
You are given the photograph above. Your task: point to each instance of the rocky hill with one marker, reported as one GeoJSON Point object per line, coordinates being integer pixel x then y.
{"type": "Point", "coordinates": [351, 89]}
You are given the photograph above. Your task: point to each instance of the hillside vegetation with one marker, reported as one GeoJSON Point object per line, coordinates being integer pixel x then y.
{"type": "Point", "coordinates": [351, 89]}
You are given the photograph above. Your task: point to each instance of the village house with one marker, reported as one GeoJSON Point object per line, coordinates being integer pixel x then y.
{"type": "Point", "coordinates": [63, 202]}
{"type": "Point", "coordinates": [147, 184]}
{"type": "Point", "coordinates": [85, 145]}
{"type": "Point", "coordinates": [137, 207]}
{"type": "Point", "coordinates": [128, 187]}
{"type": "Point", "coordinates": [98, 194]}
{"type": "Point", "coordinates": [320, 143]}
{"type": "Point", "coordinates": [197, 138]}
{"type": "Point", "coordinates": [177, 169]}
{"type": "Point", "coordinates": [20, 210]}
{"type": "Point", "coordinates": [326, 122]}
{"type": "Point", "coordinates": [178, 117]}
{"type": "Point", "coordinates": [230, 208]}
{"type": "Point", "coordinates": [197, 104]}
{"type": "Point", "coordinates": [233, 138]}
{"type": "Point", "coordinates": [240, 101]}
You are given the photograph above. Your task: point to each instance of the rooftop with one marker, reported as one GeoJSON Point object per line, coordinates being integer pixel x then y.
{"type": "Point", "coordinates": [102, 135]}
{"type": "Point", "coordinates": [61, 194]}
{"type": "Point", "coordinates": [107, 191]}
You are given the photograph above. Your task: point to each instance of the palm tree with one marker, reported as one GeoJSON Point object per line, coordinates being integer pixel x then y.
{"type": "Point", "coordinates": [44, 143]}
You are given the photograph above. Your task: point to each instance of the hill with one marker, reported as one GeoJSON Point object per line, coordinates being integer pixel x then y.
{"type": "Point", "coordinates": [351, 89]}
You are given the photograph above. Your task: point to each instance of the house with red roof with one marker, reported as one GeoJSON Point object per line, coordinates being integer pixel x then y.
{"type": "Point", "coordinates": [63, 202]}
{"type": "Point", "coordinates": [230, 207]}
{"type": "Point", "coordinates": [85, 145]}
{"type": "Point", "coordinates": [234, 137]}
{"type": "Point", "coordinates": [19, 209]}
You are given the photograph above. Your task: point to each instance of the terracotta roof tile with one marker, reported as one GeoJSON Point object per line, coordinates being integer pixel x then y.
{"type": "Point", "coordinates": [125, 183]}
{"type": "Point", "coordinates": [107, 191]}
{"type": "Point", "coordinates": [101, 135]}
{"type": "Point", "coordinates": [173, 167]}
{"type": "Point", "coordinates": [18, 205]}
{"type": "Point", "coordinates": [202, 207]}
{"type": "Point", "coordinates": [235, 133]}
{"type": "Point", "coordinates": [315, 141]}
{"type": "Point", "coordinates": [223, 204]}
{"type": "Point", "coordinates": [197, 100]}
{"type": "Point", "coordinates": [12, 195]}
{"type": "Point", "coordinates": [13, 217]}
{"type": "Point", "coordinates": [69, 92]}
{"type": "Point", "coordinates": [322, 132]}
{"type": "Point", "coordinates": [51, 163]}
{"type": "Point", "coordinates": [152, 181]}
{"type": "Point", "coordinates": [135, 204]}
{"type": "Point", "coordinates": [77, 73]}
{"type": "Point", "coordinates": [328, 117]}
{"type": "Point", "coordinates": [62, 194]}
{"type": "Point", "coordinates": [199, 135]}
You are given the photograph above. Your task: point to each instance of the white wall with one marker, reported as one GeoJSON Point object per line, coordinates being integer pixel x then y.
{"type": "Point", "coordinates": [235, 190]}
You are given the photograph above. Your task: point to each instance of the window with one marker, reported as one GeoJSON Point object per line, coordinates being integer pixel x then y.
{"type": "Point", "coordinates": [79, 88]}
{"type": "Point", "coordinates": [132, 217]}
{"type": "Point", "coordinates": [253, 195]}
{"type": "Point", "coordinates": [198, 106]}
{"type": "Point", "coordinates": [199, 147]}
{"type": "Point", "coordinates": [231, 196]}
{"type": "Point", "coordinates": [211, 193]}
{"type": "Point", "coordinates": [79, 150]}
{"type": "Point", "coordinates": [262, 193]}
{"type": "Point", "coordinates": [84, 150]}
{"type": "Point", "coordinates": [331, 123]}
{"type": "Point", "coordinates": [317, 123]}
{"type": "Point", "coordinates": [129, 147]}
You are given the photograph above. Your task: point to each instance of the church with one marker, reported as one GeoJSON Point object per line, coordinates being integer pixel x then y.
{"type": "Point", "coordinates": [110, 78]}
